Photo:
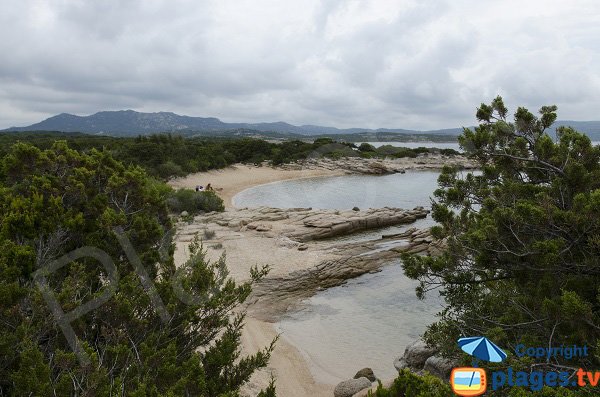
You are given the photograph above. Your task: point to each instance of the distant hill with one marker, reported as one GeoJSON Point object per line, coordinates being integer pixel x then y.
{"type": "Point", "coordinates": [131, 123]}
{"type": "Point", "coordinates": [590, 128]}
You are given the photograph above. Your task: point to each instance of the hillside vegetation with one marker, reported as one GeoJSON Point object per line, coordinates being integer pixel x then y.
{"type": "Point", "coordinates": [166, 156]}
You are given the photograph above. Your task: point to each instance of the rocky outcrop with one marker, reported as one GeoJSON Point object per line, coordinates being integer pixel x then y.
{"type": "Point", "coordinates": [306, 224]}
{"type": "Point", "coordinates": [366, 373]}
{"type": "Point", "coordinates": [274, 295]}
{"type": "Point", "coordinates": [419, 358]}
{"type": "Point", "coordinates": [358, 165]}
{"type": "Point", "coordinates": [439, 366]}
{"type": "Point", "coordinates": [415, 356]}
{"type": "Point", "coordinates": [350, 387]}
{"type": "Point", "coordinates": [306, 231]}
{"type": "Point", "coordinates": [334, 224]}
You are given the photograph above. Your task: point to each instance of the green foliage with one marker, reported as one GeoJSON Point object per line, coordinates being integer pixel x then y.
{"type": "Point", "coordinates": [209, 234]}
{"type": "Point", "coordinates": [408, 384]}
{"type": "Point", "coordinates": [366, 147]}
{"type": "Point", "coordinates": [404, 152]}
{"type": "Point", "coordinates": [449, 152]}
{"type": "Point", "coordinates": [523, 259]}
{"type": "Point", "coordinates": [55, 200]}
{"type": "Point", "coordinates": [167, 156]}
{"type": "Point", "coordinates": [194, 202]}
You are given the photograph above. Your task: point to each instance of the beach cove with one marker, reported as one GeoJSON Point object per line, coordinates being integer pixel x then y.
{"type": "Point", "coordinates": [312, 255]}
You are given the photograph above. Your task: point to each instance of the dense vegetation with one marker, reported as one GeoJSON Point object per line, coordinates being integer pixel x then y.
{"type": "Point", "coordinates": [152, 330]}
{"type": "Point", "coordinates": [165, 156]}
{"type": "Point", "coordinates": [523, 235]}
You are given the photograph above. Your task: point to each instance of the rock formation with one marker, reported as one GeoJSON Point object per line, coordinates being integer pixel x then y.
{"type": "Point", "coordinates": [350, 387]}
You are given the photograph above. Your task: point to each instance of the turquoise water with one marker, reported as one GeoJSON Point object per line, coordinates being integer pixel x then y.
{"type": "Point", "coordinates": [368, 321]}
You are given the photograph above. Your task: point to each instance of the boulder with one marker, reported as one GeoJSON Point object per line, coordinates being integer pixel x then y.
{"type": "Point", "coordinates": [439, 366]}
{"type": "Point", "coordinates": [286, 242]}
{"type": "Point", "coordinates": [366, 373]}
{"type": "Point", "coordinates": [262, 227]}
{"type": "Point", "coordinates": [350, 387]}
{"type": "Point", "coordinates": [414, 356]}
{"type": "Point", "coordinates": [302, 247]}
{"type": "Point", "coordinates": [355, 209]}
{"type": "Point", "coordinates": [185, 213]}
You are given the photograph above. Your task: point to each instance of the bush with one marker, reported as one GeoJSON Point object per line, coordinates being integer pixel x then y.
{"type": "Point", "coordinates": [209, 234]}
{"type": "Point", "coordinates": [408, 384]}
{"type": "Point", "coordinates": [194, 202]}
{"type": "Point", "coordinates": [449, 152]}
{"type": "Point", "coordinates": [366, 147]}
{"type": "Point", "coordinates": [170, 169]}
{"type": "Point", "coordinates": [405, 152]}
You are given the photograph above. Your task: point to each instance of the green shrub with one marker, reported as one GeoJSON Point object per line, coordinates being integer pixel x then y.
{"type": "Point", "coordinates": [366, 147]}
{"type": "Point", "coordinates": [194, 202]}
{"type": "Point", "coordinates": [389, 150]}
{"type": "Point", "coordinates": [170, 169]}
{"type": "Point", "coordinates": [449, 152]}
{"type": "Point", "coordinates": [405, 152]}
{"type": "Point", "coordinates": [408, 384]}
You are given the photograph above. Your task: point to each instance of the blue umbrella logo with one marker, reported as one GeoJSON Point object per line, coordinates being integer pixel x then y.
{"type": "Point", "coordinates": [482, 348]}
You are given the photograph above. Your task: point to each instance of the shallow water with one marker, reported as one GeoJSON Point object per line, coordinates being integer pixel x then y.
{"type": "Point", "coordinates": [407, 190]}
{"type": "Point", "coordinates": [365, 323]}
{"type": "Point", "coordinates": [368, 321]}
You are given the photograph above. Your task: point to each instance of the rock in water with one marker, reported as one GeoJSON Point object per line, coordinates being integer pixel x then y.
{"type": "Point", "coordinates": [355, 209]}
{"type": "Point", "coordinates": [350, 387]}
{"type": "Point", "coordinates": [366, 373]}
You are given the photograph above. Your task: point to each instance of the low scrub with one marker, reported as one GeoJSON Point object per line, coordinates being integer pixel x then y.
{"type": "Point", "coordinates": [194, 202]}
{"type": "Point", "coordinates": [408, 384]}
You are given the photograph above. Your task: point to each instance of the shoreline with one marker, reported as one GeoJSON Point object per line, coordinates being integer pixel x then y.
{"type": "Point", "coordinates": [288, 364]}
{"type": "Point", "coordinates": [236, 178]}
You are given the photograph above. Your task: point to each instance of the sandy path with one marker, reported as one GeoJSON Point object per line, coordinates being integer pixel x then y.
{"type": "Point", "coordinates": [231, 180]}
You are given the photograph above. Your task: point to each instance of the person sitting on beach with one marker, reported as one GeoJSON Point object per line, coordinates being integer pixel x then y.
{"type": "Point", "coordinates": [209, 188]}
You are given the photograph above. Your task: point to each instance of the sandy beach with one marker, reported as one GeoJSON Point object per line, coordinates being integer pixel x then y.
{"type": "Point", "coordinates": [287, 364]}
{"type": "Point", "coordinates": [231, 180]}
{"type": "Point", "coordinates": [245, 248]}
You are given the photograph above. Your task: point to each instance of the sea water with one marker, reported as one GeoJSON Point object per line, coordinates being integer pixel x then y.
{"type": "Point", "coordinates": [368, 321]}
{"type": "Point", "coordinates": [409, 190]}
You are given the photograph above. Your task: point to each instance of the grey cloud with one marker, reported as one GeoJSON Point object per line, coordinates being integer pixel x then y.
{"type": "Point", "coordinates": [424, 64]}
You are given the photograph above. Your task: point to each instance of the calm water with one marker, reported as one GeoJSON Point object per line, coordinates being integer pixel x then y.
{"type": "Point", "coordinates": [414, 145]}
{"type": "Point", "coordinates": [365, 323]}
{"type": "Point", "coordinates": [407, 190]}
{"type": "Point", "coordinates": [370, 320]}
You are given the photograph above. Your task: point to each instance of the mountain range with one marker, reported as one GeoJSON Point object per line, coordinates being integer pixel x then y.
{"type": "Point", "coordinates": [131, 123]}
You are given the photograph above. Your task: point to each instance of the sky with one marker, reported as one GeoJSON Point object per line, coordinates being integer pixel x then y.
{"type": "Point", "coordinates": [356, 63]}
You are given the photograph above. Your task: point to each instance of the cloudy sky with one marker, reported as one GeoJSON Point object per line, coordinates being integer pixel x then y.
{"type": "Point", "coordinates": [368, 63]}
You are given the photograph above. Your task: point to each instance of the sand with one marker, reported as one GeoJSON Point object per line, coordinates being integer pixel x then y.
{"type": "Point", "coordinates": [287, 364]}
{"type": "Point", "coordinates": [231, 180]}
